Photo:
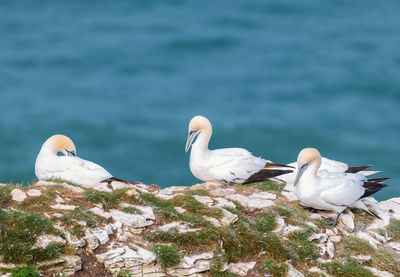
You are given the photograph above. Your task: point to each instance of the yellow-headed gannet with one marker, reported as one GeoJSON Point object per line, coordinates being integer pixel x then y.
{"type": "Point", "coordinates": [68, 167]}
{"type": "Point", "coordinates": [227, 165]}
{"type": "Point", "coordinates": [331, 191]}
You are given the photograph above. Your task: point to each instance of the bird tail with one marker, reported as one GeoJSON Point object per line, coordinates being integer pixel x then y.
{"type": "Point", "coordinates": [360, 205]}
{"type": "Point", "coordinates": [373, 185]}
{"type": "Point", "coordinates": [113, 179]}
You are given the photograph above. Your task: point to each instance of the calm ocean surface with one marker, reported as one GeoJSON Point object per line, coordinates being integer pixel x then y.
{"type": "Point", "coordinates": [123, 79]}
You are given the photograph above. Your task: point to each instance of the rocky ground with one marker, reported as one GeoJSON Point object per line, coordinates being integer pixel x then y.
{"type": "Point", "coordinates": [60, 229]}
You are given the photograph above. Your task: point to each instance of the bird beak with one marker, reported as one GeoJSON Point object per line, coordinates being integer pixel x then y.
{"type": "Point", "coordinates": [299, 173]}
{"type": "Point", "coordinates": [70, 153]}
{"type": "Point", "coordinates": [192, 135]}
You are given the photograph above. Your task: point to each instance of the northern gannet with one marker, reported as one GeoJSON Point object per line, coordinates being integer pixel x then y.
{"type": "Point", "coordinates": [227, 165]}
{"type": "Point", "coordinates": [328, 165]}
{"type": "Point", "coordinates": [68, 167]}
{"type": "Point", "coordinates": [331, 191]}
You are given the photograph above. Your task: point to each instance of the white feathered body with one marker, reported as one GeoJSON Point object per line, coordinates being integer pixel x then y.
{"type": "Point", "coordinates": [69, 168]}
{"type": "Point", "coordinates": [227, 165]}
{"type": "Point", "coordinates": [327, 167]}
{"type": "Point", "coordinates": [330, 191]}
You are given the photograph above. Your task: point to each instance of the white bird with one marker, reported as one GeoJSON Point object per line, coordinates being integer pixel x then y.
{"type": "Point", "coordinates": [68, 167]}
{"type": "Point", "coordinates": [328, 166]}
{"type": "Point", "coordinates": [331, 191]}
{"type": "Point", "coordinates": [227, 165]}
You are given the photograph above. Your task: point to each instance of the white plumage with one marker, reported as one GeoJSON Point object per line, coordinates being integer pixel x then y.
{"type": "Point", "coordinates": [334, 191]}
{"type": "Point", "coordinates": [69, 167]}
{"type": "Point", "coordinates": [227, 165]}
{"type": "Point", "coordinates": [328, 167]}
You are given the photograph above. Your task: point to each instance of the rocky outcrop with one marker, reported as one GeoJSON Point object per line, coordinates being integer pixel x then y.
{"type": "Point", "coordinates": [137, 230]}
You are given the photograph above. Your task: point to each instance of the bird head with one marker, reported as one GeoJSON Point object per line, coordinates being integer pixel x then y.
{"type": "Point", "coordinates": [307, 157]}
{"type": "Point", "coordinates": [60, 143]}
{"type": "Point", "coordinates": [198, 124]}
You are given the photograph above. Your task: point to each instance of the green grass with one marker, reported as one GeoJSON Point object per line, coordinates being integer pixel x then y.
{"type": "Point", "coordinates": [18, 234]}
{"type": "Point", "coordinates": [5, 195]}
{"type": "Point", "coordinates": [219, 260]}
{"type": "Point", "coordinates": [222, 274]}
{"type": "Point", "coordinates": [125, 273]}
{"type": "Point", "coordinates": [346, 269]}
{"type": "Point", "coordinates": [381, 258]}
{"type": "Point", "coordinates": [393, 229]}
{"type": "Point", "coordinates": [265, 222]}
{"type": "Point", "coordinates": [195, 207]}
{"type": "Point", "coordinates": [132, 210]}
{"type": "Point", "coordinates": [267, 185]}
{"type": "Point", "coordinates": [26, 271]}
{"type": "Point", "coordinates": [297, 248]}
{"type": "Point", "coordinates": [71, 219]}
{"type": "Point", "coordinates": [200, 192]}
{"type": "Point", "coordinates": [108, 200]}
{"type": "Point", "coordinates": [275, 269]}
{"type": "Point", "coordinates": [36, 204]}
{"type": "Point", "coordinates": [168, 256]}
{"type": "Point", "coordinates": [61, 181]}
{"type": "Point", "coordinates": [301, 249]}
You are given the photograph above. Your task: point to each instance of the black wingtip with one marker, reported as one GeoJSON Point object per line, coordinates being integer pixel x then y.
{"type": "Point", "coordinates": [266, 174]}
{"type": "Point", "coordinates": [113, 179]}
{"type": "Point", "coordinates": [355, 169]}
{"type": "Point", "coordinates": [373, 214]}
{"type": "Point", "coordinates": [378, 180]}
{"type": "Point", "coordinates": [372, 187]}
{"type": "Point", "coordinates": [269, 165]}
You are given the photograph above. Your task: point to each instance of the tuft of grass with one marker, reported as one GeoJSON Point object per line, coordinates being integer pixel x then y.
{"type": "Point", "coordinates": [223, 274]}
{"type": "Point", "coordinates": [36, 204]}
{"type": "Point", "coordinates": [301, 249]}
{"type": "Point", "coordinates": [358, 246]}
{"type": "Point", "coordinates": [298, 248]}
{"type": "Point", "coordinates": [61, 181]}
{"type": "Point", "coordinates": [347, 268]}
{"type": "Point", "coordinates": [265, 222]}
{"type": "Point", "coordinates": [240, 240]}
{"type": "Point", "coordinates": [195, 207]}
{"type": "Point", "coordinates": [200, 192]}
{"type": "Point", "coordinates": [125, 273]}
{"type": "Point", "coordinates": [72, 218]}
{"type": "Point", "coordinates": [275, 248]}
{"type": "Point", "coordinates": [275, 269]}
{"type": "Point", "coordinates": [18, 234]}
{"type": "Point", "coordinates": [168, 256]}
{"type": "Point", "coordinates": [393, 229]}
{"type": "Point", "coordinates": [163, 208]}
{"type": "Point", "coordinates": [381, 258]}
{"type": "Point", "coordinates": [108, 200]}
{"type": "Point", "coordinates": [362, 219]}
{"type": "Point", "coordinates": [205, 236]}
{"type": "Point", "coordinates": [218, 261]}
{"type": "Point", "coordinates": [267, 185]}
{"type": "Point", "coordinates": [25, 271]}
{"type": "Point", "coordinates": [132, 210]}
{"type": "Point", "coordinates": [5, 195]}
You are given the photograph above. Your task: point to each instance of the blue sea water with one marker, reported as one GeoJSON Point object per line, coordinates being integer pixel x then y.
{"type": "Point", "coordinates": [123, 79]}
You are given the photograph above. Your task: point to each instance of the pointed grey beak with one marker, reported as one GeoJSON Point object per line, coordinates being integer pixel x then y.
{"type": "Point", "coordinates": [300, 173]}
{"type": "Point", "coordinates": [192, 135]}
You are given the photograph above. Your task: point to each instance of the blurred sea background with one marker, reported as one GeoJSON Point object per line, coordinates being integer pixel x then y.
{"type": "Point", "coordinates": [124, 78]}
